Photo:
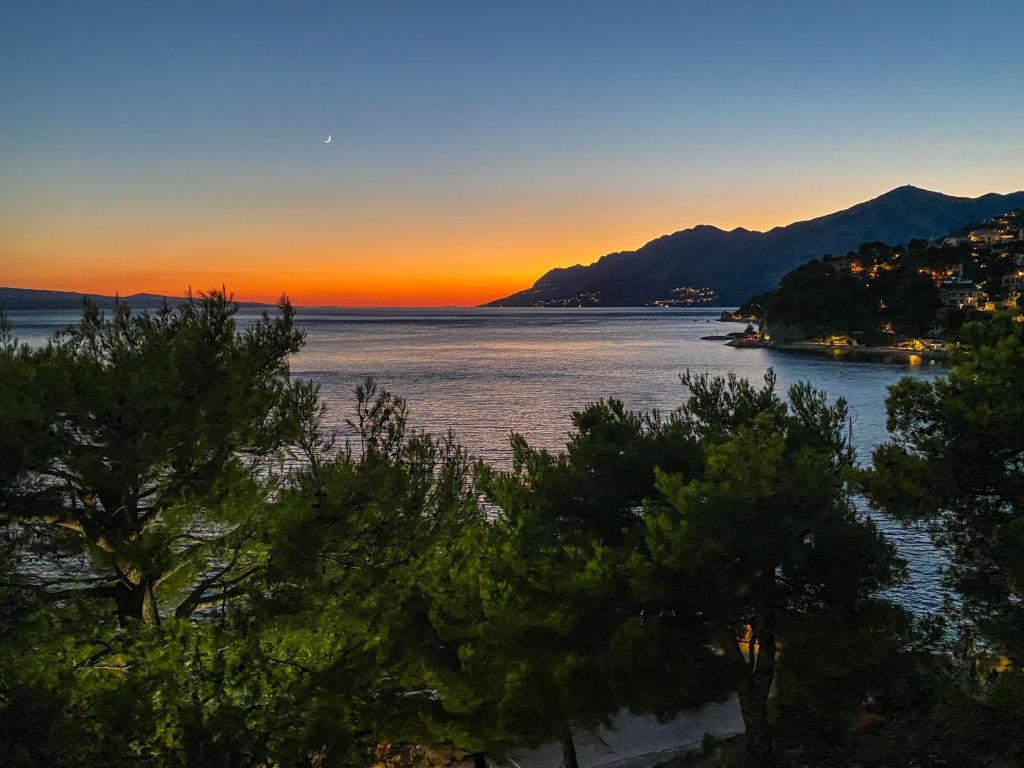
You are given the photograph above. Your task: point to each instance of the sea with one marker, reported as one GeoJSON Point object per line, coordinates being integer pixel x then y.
{"type": "Point", "coordinates": [487, 373]}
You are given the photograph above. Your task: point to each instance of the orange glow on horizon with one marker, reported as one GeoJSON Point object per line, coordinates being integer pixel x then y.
{"type": "Point", "coordinates": [445, 255]}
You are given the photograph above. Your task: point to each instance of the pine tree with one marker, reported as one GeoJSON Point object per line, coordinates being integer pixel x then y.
{"type": "Point", "coordinates": [955, 463]}
{"type": "Point", "coordinates": [148, 444]}
{"type": "Point", "coordinates": [763, 538]}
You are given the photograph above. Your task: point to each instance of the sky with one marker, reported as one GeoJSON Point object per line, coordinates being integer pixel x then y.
{"type": "Point", "coordinates": [475, 145]}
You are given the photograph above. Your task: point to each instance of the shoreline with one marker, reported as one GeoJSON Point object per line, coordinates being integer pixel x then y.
{"type": "Point", "coordinates": [853, 352]}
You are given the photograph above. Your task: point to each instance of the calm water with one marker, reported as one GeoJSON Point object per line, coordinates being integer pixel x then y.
{"type": "Point", "coordinates": [488, 372]}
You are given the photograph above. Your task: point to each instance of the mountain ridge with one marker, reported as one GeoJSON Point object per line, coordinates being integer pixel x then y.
{"type": "Point", "coordinates": [740, 262]}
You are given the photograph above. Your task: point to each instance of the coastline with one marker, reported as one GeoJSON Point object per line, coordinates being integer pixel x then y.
{"type": "Point", "coordinates": [881, 354]}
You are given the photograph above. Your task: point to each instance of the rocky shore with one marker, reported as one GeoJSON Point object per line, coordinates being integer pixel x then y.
{"type": "Point", "coordinates": [849, 351]}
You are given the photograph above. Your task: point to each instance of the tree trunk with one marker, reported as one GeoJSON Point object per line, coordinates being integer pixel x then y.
{"type": "Point", "coordinates": [150, 609]}
{"type": "Point", "coordinates": [569, 759]}
{"type": "Point", "coordinates": [758, 735]}
{"type": "Point", "coordinates": [136, 601]}
{"type": "Point", "coordinates": [755, 670]}
{"type": "Point", "coordinates": [754, 688]}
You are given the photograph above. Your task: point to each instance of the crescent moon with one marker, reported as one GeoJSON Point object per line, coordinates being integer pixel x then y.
{"type": "Point", "coordinates": [328, 139]}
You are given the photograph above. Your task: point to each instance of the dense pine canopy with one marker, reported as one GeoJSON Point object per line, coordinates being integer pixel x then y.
{"type": "Point", "coordinates": [197, 572]}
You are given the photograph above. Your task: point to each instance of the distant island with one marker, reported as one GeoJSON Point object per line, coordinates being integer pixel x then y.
{"type": "Point", "coordinates": [705, 265]}
{"type": "Point", "coordinates": [912, 297]}
{"type": "Point", "coordinates": [34, 299]}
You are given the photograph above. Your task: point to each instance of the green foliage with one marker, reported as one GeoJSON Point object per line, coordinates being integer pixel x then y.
{"type": "Point", "coordinates": [148, 444]}
{"type": "Point", "coordinates": [307, 670]}
{"type": "Point", "coordinates": [283, 599]}
{"type": "Point", "coordinates": [821, 300]}
{"type": "Point", "coordinates": [762, 546]}
{"type": "Point", "coordinates": [24, 438]}
{"type": "Point", "coordinates": [535, 627]}
{"type": "Point", "coordinates": [353, 540]}
{"type": "Point", "coordinates": [179, 694]}
{"type": "Point", "coordinates": [840, 668]}
{"type": "Point", "coordinates": [530, 600]}
{"type": "Point", "coordinates": [954, 462]}
{"type": "Point", "coordinates": [886, 297]}
{"type": "Point", "coordinates": [927, 715]}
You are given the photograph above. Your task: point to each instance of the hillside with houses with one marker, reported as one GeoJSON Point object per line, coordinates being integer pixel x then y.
{"type": "Point", "coordinates": [911, 296]}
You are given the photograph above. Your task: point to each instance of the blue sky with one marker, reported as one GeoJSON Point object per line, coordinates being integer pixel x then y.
{"type": "Point", "coordinates": [515, 134]}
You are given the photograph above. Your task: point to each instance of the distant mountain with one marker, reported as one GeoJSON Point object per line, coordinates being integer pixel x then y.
{"type": "Point", "coordinates": [28, 298]}
{"type": "Point", "coordinates": [739, 263]}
